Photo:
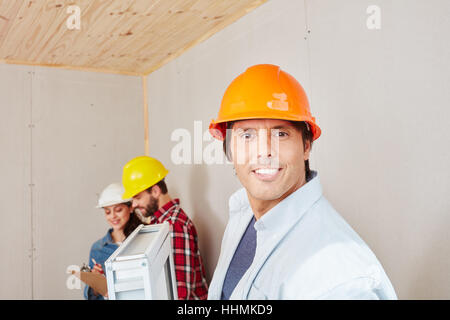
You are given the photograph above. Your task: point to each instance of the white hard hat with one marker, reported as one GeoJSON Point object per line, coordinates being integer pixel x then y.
{"type": "Point", "coordinates": [111, 195]}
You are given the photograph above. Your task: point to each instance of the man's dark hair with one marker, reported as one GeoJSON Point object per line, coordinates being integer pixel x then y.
{"type": "Point", "coordinates": [161, 184]}
{"type": "Point", "coordinates": [303, 127]}
{"type": "Point", "coordinates": [307, 135]}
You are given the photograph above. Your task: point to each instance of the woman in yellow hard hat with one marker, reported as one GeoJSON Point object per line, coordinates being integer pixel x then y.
{"type": "Point", "coordinates": [283, 239]}
{"type": "Point", "coordinates": [122, 222]}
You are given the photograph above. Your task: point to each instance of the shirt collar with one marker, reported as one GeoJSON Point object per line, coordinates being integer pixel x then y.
{"type": "Point", "coordinates": [107, 239]}
{"type": "Point", "coordinates": [164, 210]}
{"type": "Point", "coordinates": [286, 213]}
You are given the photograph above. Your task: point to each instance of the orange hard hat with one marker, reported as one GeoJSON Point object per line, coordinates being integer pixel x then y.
{"type": "Point", "coordinates": [263, 91]}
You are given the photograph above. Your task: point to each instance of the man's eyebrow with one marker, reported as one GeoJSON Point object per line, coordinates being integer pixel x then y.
{"type": "Point", "coordinates": [281, 127]}
{"type": "Point", "coordinates": [245, 128]}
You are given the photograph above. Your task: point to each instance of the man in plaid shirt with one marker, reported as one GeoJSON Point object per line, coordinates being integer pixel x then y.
{"type": "Point", "coordinates": [152, 200]}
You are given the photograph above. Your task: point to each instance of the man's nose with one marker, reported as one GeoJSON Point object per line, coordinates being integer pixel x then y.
{"type": "Point", "coordinates": [264, 144]}
{"type": "Point", "coordinates": [134, 204]}
{"type": "Point", "coordinates": [268, 148]}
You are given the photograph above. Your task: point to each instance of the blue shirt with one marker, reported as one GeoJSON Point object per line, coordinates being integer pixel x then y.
{"type": "Point", "coordinates": [242, 259]}
{"type": "Point", "coordinates": [101, 250]}
{"type": "Point", "coordinates": [305, 250]}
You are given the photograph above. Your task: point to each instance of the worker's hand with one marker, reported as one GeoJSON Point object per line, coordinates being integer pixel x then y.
{"type": "Point", "coordinates": [97, 269]}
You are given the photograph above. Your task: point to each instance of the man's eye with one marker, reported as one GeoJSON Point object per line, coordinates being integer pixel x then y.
{"type": "Point", "coordinates": [280, 134]}
{"type": "Point", "coordinates": [247, 135]}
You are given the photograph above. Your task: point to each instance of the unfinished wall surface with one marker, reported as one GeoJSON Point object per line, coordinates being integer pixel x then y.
{"type": "Point", "coordinates": [380, 96]}
{"type": "Point", "coordinates": [65, 136]}
{"type": "Point", "coordinates": [15, 172]}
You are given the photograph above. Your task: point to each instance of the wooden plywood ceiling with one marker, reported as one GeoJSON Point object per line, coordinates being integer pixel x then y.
{"type": "Point", "coordinates": [121, 36]}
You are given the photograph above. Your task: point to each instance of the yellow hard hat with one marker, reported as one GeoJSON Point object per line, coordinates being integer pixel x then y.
{"type": "Point", "coordinates": [140, 174]}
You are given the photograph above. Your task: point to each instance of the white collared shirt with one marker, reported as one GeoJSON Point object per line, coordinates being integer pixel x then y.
{"type": "Point", "coordinates": [305, 250]}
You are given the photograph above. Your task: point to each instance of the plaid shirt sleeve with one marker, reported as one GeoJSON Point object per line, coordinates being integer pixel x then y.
{"type": "Point", "coordinates": [189, 269]}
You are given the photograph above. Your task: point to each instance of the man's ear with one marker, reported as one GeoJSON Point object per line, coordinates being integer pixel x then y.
{"type": "Point", "coordinates": [227, 146]}
{"type": "Point", "coordinates": [156, 191]}
{"type": "Point", "coordinates": [229, 153]}
{"type": "Point", "coordinates": [307, 149]}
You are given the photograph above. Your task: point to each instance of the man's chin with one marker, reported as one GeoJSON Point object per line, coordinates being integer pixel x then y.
{"type": "Point", "coordinates": [266, 195]}
{"type": "Point", "coordinates": [141, 212]}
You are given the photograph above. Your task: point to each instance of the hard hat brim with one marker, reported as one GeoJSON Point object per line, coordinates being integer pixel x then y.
{"type": "Point", "coordinates": [218, 128]}
{"type": "Point", "coordinates": [131, 193]}
{"type": "Point", "coordinates": [111, 203]}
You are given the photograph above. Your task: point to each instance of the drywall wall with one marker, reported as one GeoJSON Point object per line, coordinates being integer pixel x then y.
{"type": "Point", "coordinates": [380, 96]}
{"type": "Point", "coordinates": [15, 172]}
{"type": "Point", "coordinates": [68, 136]}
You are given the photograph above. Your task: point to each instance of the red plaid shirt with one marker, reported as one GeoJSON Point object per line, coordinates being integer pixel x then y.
{"type": "Point", "coordinates": [189, 270]}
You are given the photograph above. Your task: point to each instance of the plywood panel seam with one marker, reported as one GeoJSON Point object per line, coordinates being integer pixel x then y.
{"type": "Point", "coordinates": [145, 107]}
{"type": "Point", "coordinates": [31, 185]}
{"type": "Point", "coordinates": [18, 62]}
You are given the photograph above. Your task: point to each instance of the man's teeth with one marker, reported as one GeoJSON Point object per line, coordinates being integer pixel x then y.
{"type": "Point", "coordinates": [266, 171]}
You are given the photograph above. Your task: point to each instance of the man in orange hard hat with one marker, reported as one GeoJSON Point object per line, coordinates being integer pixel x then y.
{"type": "Point", "coordinates": [143, 180]}
{"type": "Point", "coordinates": [283, 239]}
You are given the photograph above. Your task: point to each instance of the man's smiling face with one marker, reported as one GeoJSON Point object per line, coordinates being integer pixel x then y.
{"type": "Point", "coordinates": [269, 157]}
